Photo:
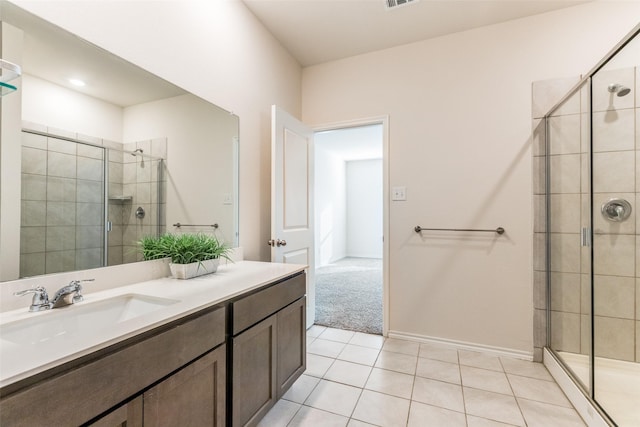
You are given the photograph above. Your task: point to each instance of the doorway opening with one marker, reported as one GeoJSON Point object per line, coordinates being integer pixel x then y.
{"type": "Point", "coordinates": [349, 227]}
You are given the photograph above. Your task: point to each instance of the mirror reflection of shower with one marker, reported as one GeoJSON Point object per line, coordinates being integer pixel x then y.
{"type": "Point", "coordinates": [79, 200]}
{"type": "Point", "coordinates": [618, 89]}
{"type": "Point", "coordinates": [135, 153]}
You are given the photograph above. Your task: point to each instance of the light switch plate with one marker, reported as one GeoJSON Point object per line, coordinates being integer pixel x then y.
{"type": "Point", "coordinates": [399, 193]}
{"type": "Point", "coordinates": [227, 200]}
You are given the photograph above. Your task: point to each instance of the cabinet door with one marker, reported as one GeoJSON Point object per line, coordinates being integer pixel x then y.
{"type": "Point", "coordinates": [193, 396]}
{"type": "Point", "coordinates": [127, 415]}
{"type": "Point", "coordinates": [292, 347]}
{"type": "Point", "coordinates": [254, 373]}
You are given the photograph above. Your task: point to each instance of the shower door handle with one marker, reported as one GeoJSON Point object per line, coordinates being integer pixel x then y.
{"type": "Point", "coordinates": [585, 237]}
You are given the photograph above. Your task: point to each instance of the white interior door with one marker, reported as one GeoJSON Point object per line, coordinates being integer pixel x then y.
{"type": "Point", "coordinates": [292, 197]}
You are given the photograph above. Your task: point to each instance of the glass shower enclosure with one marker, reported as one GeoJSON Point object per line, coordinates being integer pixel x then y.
{"type": "Point", "coordinates": [593, 233]}
{"type": "Point", "coordinates": [85, 204]}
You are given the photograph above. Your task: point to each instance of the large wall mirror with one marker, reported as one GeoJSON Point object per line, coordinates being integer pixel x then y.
{"type": "Point", "coordinates": [95, 167]}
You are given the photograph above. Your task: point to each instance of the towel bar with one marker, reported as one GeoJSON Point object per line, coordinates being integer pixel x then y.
{"type": "Point", "coordinates": [498, 230]}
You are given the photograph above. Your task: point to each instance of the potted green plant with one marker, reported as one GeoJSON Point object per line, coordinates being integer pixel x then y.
{"type": "Point", "coordinates": [191, 254]}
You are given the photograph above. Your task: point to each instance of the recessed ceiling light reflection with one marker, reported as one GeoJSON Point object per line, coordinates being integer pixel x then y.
{"type": "Point", "coordinates": [77, 82]}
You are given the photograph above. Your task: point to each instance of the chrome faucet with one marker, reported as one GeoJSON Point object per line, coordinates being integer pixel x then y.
{"type": "Point", "coordinates": [66, 295]}
{"type": "Point", "coordinates": [69, 294]}
{"type": "Point", "coordinates": [40, 299]}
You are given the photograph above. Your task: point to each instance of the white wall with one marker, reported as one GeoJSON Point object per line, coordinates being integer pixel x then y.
{"type": "Point", "coordinates": [348, 203]}
{"type": "Point", "coordinates": [364, 208]}
{"type": "Point", "coordinates": [460, 121]}
{"type": "Point", "coordinates": [215, 49]}
{"type": "Point", "coordinates": [55, 106]}
{"type": "Point", "coordinates": [330, 205]}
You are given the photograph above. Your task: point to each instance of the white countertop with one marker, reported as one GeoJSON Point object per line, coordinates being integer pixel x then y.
{"type": "Point", "coordinates": [20, 361]}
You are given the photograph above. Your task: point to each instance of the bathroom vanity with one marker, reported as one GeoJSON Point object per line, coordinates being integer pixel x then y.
{"type": "Point", "coordinates": [218, 350]}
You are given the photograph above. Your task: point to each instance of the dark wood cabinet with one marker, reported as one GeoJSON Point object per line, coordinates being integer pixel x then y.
{"type": "Point", "coordinates": [254, 367]}
{"type": "Point", "coordinates": [224, 366]}
{"type": "Point", "coordinates": [193, 396]}
{"type": "Point", "coordinates": [268, 354]}
{"type": "Point", "coordinates": [291, 345]}
{"type": "Point", "coordinates": [127, 415]}
{"type": "Point", "coordinates": [100, 381]}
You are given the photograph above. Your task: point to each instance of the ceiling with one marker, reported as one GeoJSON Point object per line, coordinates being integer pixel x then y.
{"type": "Point", "coordinates": [317, 31]}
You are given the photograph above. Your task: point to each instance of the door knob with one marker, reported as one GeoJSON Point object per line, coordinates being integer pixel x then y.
{"type": "Point", "coordinates": [277, 242]}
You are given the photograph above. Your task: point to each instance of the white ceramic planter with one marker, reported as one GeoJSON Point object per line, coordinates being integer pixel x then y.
{"type": "Point", "coordinates": [187, 271]}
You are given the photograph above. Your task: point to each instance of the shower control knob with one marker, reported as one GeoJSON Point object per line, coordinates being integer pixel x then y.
{"type": "Point", "coordinates": [140, 213]}
{"type": "Point", "coordinates": [616, 210]}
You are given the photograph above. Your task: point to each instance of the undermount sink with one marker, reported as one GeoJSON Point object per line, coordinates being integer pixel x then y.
{"type": "Point", "coordinates": [81, 318]}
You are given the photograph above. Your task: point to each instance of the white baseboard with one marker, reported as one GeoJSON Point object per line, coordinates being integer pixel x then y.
{"type": "Point", "coordinates": [589, 413]}
{"type": "Point", "coordinates": [463, 345]}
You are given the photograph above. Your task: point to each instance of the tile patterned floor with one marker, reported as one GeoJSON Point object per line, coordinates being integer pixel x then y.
{"type": "Point", "coordinates": [359, 380]}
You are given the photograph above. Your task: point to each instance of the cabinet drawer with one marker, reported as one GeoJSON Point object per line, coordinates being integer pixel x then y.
{"type": "Point", "coordinates": [93, 385]}
{"type": "Point", "coordinates": [250, 310]}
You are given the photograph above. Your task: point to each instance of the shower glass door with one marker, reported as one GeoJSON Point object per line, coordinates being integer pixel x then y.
{"type": "Point", "coordinates": [569, 231]}
{"type": "Point", "coordinates": [62, 193]}
{"type": "Point", "coordinates": [593, 191]}
{"type": "Point", "coordinates": [616, 292]}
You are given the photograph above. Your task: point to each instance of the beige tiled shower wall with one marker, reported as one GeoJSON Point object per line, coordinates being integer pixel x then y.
{"type": "Point", "coordinates": [145, 181]}
{"type": "Point", "coordinates": [616, 148]}
{"type": "Point", "coordinates": [615, 157]}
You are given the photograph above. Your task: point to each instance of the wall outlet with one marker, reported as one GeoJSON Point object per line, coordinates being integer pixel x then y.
{"type": "Point", "coordinates": [399, 193]}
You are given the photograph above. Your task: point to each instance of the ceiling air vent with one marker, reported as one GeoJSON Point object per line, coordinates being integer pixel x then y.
{"type": "Point", "coordinates": [393, 4]}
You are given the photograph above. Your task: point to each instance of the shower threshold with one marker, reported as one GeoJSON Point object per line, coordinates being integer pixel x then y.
{"type": "Point", "coordinates": [617, 385]}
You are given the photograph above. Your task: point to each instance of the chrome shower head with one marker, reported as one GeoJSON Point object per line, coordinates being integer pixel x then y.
{"type": "Point", "coordinates": [618, 89]}
{"type": "Point", "coordinates": [134, 152]}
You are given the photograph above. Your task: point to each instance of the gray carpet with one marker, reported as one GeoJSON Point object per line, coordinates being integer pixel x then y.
{"type": "Point", "coordinates": [349, 295]}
